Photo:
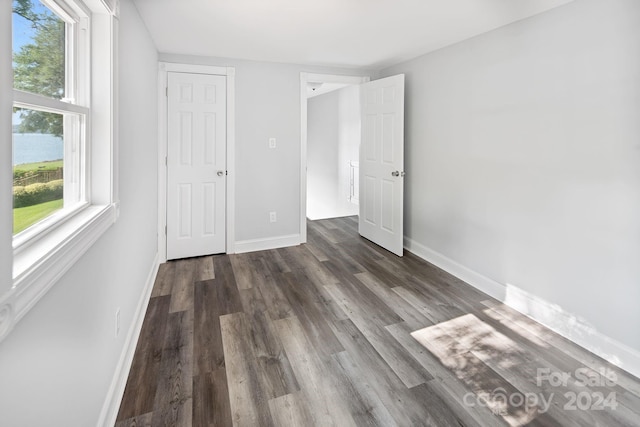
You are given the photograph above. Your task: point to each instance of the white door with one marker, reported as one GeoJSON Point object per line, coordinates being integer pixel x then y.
{"type": "Point", "coordinates": [382, 163]}
{"type": "Point", "coordinates": [196, 165]}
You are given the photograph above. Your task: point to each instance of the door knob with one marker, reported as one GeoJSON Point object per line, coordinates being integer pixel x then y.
{"type": "Point", "coordinates": [220, 173]}
{"type": "Point", "coordinates": [397, 173]}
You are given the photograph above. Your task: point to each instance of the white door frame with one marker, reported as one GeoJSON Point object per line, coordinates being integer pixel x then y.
{"type": "Point", "coordinates": [229, 72]}
{"type": "Point", "coordinates": [304, 79]}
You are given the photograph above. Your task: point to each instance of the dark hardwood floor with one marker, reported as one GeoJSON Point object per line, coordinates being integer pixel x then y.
{"type": "Point", "coordinates": [338, 332]}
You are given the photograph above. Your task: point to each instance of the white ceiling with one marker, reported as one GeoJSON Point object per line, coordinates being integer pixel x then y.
{"type": "Point", "coordinates": [347, 33]}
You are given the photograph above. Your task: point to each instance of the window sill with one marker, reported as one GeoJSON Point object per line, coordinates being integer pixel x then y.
{"type": "Point", "coordinates": [39, 266]}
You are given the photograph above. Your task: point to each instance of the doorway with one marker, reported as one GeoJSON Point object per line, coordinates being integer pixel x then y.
{"type": "Point", "coordinates": [333, 145]}
{"type": "Point", "coordinates": [328, 185]}
{"type": "Point", "coordinates": [381, 160]}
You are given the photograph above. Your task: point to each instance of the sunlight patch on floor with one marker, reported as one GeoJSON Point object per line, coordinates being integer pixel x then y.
{"type": "Point", "coordinates": [519, 324]}
{"type": "Point", "coordinates": [467, 346]}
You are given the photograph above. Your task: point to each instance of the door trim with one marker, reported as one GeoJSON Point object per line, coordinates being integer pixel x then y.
{"type": "Point", "coordinates": [304, 79]}
{"type": "Point", "coordinates": [163, 69]}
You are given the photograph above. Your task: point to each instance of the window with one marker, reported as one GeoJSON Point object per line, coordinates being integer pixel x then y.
{"type": "Point", "coordinates": [64, 140]}
{"type": "Point", "coordinates": [50, 114]}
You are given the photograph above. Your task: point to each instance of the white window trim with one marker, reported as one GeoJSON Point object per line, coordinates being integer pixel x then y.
{"type": "Point", "coordinates": [41, 263]}
{"type": "Point", "coordinates": [229, 72]}
{"type": "Point", "coordinates": [43, 103]}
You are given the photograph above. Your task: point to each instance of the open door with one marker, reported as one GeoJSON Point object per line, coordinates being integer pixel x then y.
{"type": "Point", "coordinates": [382, 163]}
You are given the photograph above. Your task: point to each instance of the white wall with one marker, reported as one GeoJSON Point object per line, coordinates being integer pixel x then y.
{"type": "Point", "coordinates": [57, 365]}
{"type": "Point", "coordinates": [6, 176]}
{"type": "Point", "coordinates": [267, 105]}
{"type": "Point", "coordinates": [333, 140]}
{"type": "Point", "coordinates": [523, 166]}
{"type": "Point", "coordinates": [322, 155]}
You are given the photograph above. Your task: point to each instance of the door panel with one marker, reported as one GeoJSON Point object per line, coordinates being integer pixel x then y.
{"type": "Point", "coordinates": [196, 165]}
{"type": "Point", "coordinates": [184, 211]}
{"type": "Point", "coordinates": [370, 193]}
{"type": "Point", "coordinates": [382, 163]}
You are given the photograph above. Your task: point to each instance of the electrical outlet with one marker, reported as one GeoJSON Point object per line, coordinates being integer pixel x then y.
{"type": "Point", "coordinates": [272, 143]}
{"type": "Point", "coordinates": [117, 322]}
{"type": "Point", "coordinates": [272, 217]}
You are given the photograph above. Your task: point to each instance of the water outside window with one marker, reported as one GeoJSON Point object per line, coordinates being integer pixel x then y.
{"type": "Point", "coordinates": [37, 171]}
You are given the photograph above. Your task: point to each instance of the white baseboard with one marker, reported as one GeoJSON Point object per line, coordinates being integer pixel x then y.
{"type": "Point", "coordinates": [475, 279]}
{"type": "Point", "coordinates": [574, 328]}
{"type": "Point", "coordinates": [268, 243]}
{"type": "Point", "coordinates": [552, 316]}
{"type": "Point", "coordinates": [112, 402]}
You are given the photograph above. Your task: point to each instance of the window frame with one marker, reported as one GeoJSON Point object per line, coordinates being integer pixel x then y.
{"type": "Point", "coordinates": [40, 260]}
{"type": "Point", "coordinates": [76, 102]}
{"type": "Point", "coordinates": [39, 229]}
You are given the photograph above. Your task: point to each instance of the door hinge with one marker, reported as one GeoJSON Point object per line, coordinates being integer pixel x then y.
{"type": "Point", "coordinates": [166, 91]}
{"type": "Point", "coordinates": [166, 160]}
{"type": "Point", "coordinates": [165, 230]}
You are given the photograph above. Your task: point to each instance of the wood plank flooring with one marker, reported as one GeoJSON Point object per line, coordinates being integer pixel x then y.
{"type": "Point", "coordinates": [338, 332]}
